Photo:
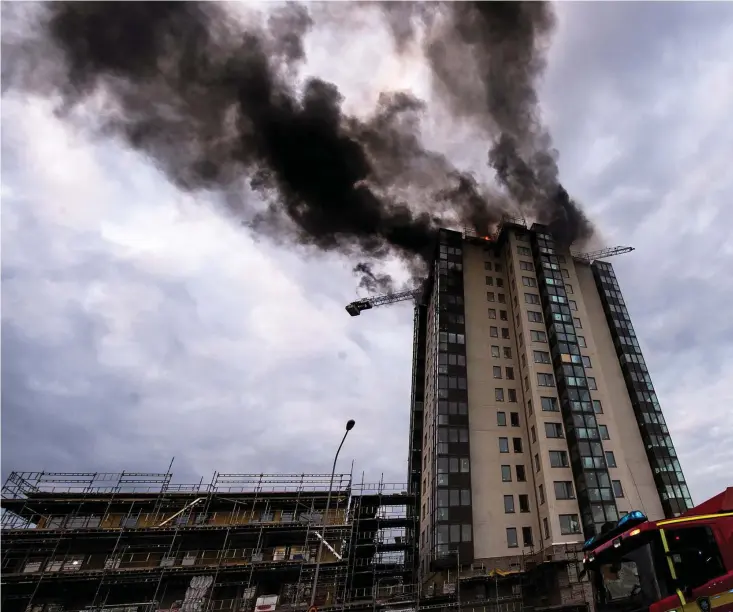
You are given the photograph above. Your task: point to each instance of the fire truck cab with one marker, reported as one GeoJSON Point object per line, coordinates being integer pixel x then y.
{"type": "Point", "coordinates": [682, 564]}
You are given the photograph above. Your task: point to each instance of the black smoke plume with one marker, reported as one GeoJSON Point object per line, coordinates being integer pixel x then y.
{"type": "Point", "coordinates": [486, 59]}
{"type": "Point", "coordinates": [373, 281]}
{"type": "Point", "coordinates": [213, 102]}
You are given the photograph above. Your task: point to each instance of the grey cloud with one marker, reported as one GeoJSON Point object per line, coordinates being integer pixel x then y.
{"type": "Point", "coordinates": [205, 376]}
{"type": "Point", "coordinates": [67, 408]}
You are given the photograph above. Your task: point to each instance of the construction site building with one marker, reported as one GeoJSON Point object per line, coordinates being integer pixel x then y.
{"type": "Point", "coordinates": [134, 542]}
{"type": "Point", "coordinates": [534, 419]}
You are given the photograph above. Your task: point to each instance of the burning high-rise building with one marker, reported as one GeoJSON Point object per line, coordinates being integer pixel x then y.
{"type": "Point", "coordinates": [534, 418]}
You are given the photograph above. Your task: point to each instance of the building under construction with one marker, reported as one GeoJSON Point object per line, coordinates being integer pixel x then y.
{"type": "Point", "coordinates": [135, 542]}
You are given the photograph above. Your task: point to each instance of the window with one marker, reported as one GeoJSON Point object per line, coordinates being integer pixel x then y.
{"type": "Point", "coordinates": [492, 313]}
{"type": "Point", "coordinates": [529, 406]}
{"type": "Point", "coordinates": [604, 432]}
{"type": "Point", "coordinates": [688, 547]}
{"type": "Point", "coordinates": [531, 298]}
{"type": "Point", "coordinates": [501, 419]}
{"type": "Point", "coordinates": [509, 373]}
{"type": "Point", "coordinates": [499, 395]}
{"type": "Point", "coordinates": [32, 565]}
{"type": "Point", "coordinates": [534, 317]}
{"type": "Point", "coordinates": [507, 352]}
{"type": "Point", "coordinates": [506, 473]}
{"type": "Point", "coordinates": [541, 357]}
{"type": "Point", "coordinates": [512, 395]}
{"type": "Point", "coordinates": [553, 430]}
{"type": "Point", "coordinates": [526, 265]}
{"type": "Point", "coordinates": [503, 445]}
{"type": "Point", "coordinates": [517, 443]}
{"type": "Point", "coordinates": [564, 489]}
{"type": "Point", "coordinates": [497, 267]}
{"type": "Point", "coordinates": [597, 407]}
{"type": "Point", "coordinates": [618, 490]}
{"type": "Point", "coordinates": [466, 533]}
{"type": "Point", "coordinates": [573, 304]}
{"type": "Point", "coordinates": [549, 404]}
{"type": "Point", "coordinates": [538, 336]}
{"type": "Point", "coordinates": [497, 371]}
{"type": "Point", "coordinates": [586, 362]}
{"type": "Point", "coordinates": [536, 463]}
{"type": "Point", "coordinates": [503, 315]}
{"type": "Point", "coordinates": [514, 419]}
{"type": "Point", "coordinates": [524, 251]}
{"type": "Point", "coordinates": [533, 434]}
{"type": "Point", "coordinates": [528, 281]}
{"type": "Point", "coordinates": [495, 351]}
{"type": "Point", "coordinates": [505, 333]}
{"type": "Point", "coordinates": [521, 476]}
{"type": "Point", "coordinates": [527, 536]}
{"type": "Point", "coordinates": [546, 527]}
{"type": "Point", "coordinates": [500, 283]}
{"type": "Point", "coordinates": [494, 332]}
{"type": "Point", "coordinates": [577, 323]}
{"type": "Point", "coordinates": [569, 524]}
{"type": "Point", "coordinates": [558, 459]}
{"type": "Point", "coordinates": [581, 342]}
{"type": "Point", "coordinates": [569, 288]}
{"type": "Point", "coordinates": [455, 533]}
{"type": "Point", "coordinates": [511, 537]}
{"type": "Point", "coordinates": [545, 380]}
{"type": "Point", "coordinates": [565, 273]}
{"type": "Point", "coordinates": [509, 504]}
{"type": "Point", "coordinates": [610, 459]}
{"type": "Point", "coordinates": [502, 298]}
{"type": "Point", "coordinates": [490, 296]}
{"type": "Point", "coordinates": [524, 503]}
{"type": "Point", "coordinates": [465, 497]}
{"type": "Point", "coordinates": [592, 383]}
{"type": "Point", "coordinates": [487, 265]}
{"type": "Point", "coordinates": [542, 494]}
{"type": "Point", "coordinates": [490, 281]}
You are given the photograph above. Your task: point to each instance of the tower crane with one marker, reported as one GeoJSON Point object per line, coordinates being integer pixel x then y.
{"type": "Point", "coordinates": [602, 253]}
{"type": "Point", "coordinates": [355, 308]}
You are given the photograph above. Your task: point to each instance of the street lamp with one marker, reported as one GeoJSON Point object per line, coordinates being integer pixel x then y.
{"type": "Point", "coordinates": [349, 426]}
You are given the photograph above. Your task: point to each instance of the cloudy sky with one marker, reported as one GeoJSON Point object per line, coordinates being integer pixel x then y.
{"type": "Point", "coordinates": [139, 324]}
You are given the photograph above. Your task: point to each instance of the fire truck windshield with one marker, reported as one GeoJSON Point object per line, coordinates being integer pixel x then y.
{"type": "Point", "coordinates": [628, 580]}
{"type": "Point", "coordinates": [621, 580]}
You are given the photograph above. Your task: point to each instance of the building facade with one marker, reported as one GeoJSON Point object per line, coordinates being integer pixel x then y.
{"type": "Point", "coordinates": [534, 418]}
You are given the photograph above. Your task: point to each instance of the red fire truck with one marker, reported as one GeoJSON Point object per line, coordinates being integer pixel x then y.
{"type": "Point", "coordinates": [682, 564]}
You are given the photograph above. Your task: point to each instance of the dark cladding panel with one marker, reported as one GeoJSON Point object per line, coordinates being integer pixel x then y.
{"type": "Point", "coordinates": [417, 403]}
{"type": "Point", "coordinates": [452, 524]}
{"type": "Point", "coordinates": [587, 458]}
{"type": "Point", "coordinates": [668, 477]}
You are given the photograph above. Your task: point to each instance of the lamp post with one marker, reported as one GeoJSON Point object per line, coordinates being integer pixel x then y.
{"type": "Point", "coordinates": [349, 426]}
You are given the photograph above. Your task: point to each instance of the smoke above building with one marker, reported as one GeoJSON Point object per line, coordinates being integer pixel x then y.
{"type": "Point", "coordinates": [216, 102]}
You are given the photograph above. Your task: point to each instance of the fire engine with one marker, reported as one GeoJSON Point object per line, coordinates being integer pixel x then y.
{"type": "Point", "coordinates": [681, 564]}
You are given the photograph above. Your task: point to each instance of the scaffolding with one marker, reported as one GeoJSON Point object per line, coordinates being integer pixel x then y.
{"type": "Point", "coordinates": [244, 543]}
{"type": "Point", "coordinates": [105, 533]}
